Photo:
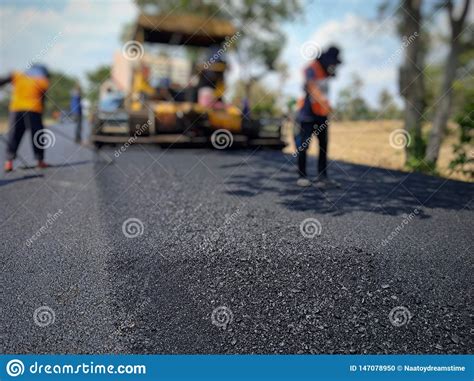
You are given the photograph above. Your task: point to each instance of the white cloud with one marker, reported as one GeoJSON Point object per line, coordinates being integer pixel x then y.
{"type": "Point", "coordinates": [74, 37]}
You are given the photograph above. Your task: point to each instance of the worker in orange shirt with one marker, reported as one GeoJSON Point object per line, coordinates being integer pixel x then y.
{"type": "Point", "coordinates": [314, 110]}
{"type": "Point", "coordinates": [26, 111]}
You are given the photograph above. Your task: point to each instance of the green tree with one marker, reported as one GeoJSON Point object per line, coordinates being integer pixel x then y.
{"type": "Point", "coordinates": [411, 20]}
{"type": "Point", "coordinates": [263, 102]}
{"type": "Point", "coordinates": [350, 104]}
{"type": "Point", "coordinates": [388, 108]}
{"type": "Point", "coordinates": [464, 161]}
{"type": "Point", "coordinates": [59, 92]}
{"type": "Point", "coordinates": [460, 88]}
{"type": "Point", "coordinates": [95, 79]}
{"type": "Point", "coordinates": [414, 17]}
{"type": "Point", "coordinates": [443, 107]}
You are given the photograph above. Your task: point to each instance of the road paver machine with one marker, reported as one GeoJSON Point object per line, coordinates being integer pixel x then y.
{"type": "Point", "coordinates": [167, 86]}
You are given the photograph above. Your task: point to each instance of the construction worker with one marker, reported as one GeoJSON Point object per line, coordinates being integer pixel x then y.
{"type": "Point", "coordinates": [76, 111]}
{"type": "Point", "coordinates": [141, 88]}
{"type": "Point", "coordinates": [141, 84]}
{"type": "Point", "coordinates": [313, 114]}
{"type": "Point", "coordinates": [26, 111]}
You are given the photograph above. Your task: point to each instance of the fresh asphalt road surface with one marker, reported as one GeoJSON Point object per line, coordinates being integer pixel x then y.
{"type": "Point", "coordinates": [220, 264]}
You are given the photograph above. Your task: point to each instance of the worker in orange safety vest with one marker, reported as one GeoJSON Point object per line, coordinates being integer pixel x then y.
{"type": "Point", "coordinates": [314, 109]}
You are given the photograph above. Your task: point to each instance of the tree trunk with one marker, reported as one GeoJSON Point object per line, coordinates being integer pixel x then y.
{"type": "Point", "coordinates": [443, 106]}
{"type": "Point", "coordinates": [412, 86]}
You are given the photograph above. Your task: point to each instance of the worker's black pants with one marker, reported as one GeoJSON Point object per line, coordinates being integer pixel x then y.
{"type": "Point", "coordinates": [318, 127]}
{"type": "Point", "coordinates": [78, 120]}
{"type": "Point", "coordinates": [19, 122]}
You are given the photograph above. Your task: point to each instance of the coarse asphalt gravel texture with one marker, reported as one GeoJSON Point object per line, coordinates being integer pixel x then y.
{"type": "Point", "coordinates": [222, 229]}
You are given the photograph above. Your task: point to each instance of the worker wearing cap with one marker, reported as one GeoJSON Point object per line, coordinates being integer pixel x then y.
{"type": "Point", "coordinates": [313, 114]}
{"type": "Point", "coordinates": [26, 110]}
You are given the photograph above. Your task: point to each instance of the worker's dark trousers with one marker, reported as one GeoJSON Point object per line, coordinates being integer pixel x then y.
{"type": "Point", "coordinates": [19, 122]}
{"type": "Point", "coordinates": [319, 128]}
{"type": "Point", "coordinates": [78, 119]}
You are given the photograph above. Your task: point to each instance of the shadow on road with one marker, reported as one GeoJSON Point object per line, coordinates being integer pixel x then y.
{"type": "Point", "coordinates": [4, 182]}
{"type": "Point", "coordinates": [62, 165]}
{"type": "Point", "coordinates": [74, 164]}
{"type": "Point", "coordinates": [363, 188]}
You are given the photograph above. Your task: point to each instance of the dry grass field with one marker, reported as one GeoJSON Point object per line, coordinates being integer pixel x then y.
{"type": "Point", "coordinates": [367, 142]}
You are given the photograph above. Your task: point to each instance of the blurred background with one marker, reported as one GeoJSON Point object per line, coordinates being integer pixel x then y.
{"type": "Point", "coordinates": [407, 64]}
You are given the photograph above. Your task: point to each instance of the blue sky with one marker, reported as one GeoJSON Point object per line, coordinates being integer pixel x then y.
{"type": "Point", "coordinates": [78, 35]}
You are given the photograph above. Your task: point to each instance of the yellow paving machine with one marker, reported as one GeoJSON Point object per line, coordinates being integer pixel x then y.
{"type": "Point", "coordinates": [167, 86]}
